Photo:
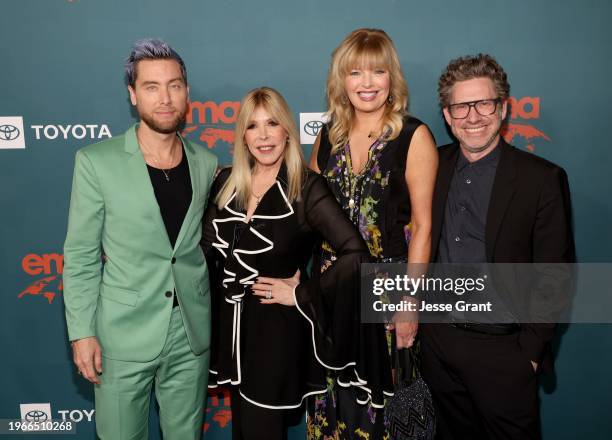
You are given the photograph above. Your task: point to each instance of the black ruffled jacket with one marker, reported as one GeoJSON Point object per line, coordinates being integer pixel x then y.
{"type": "Point", "coordinates": [276, 354]}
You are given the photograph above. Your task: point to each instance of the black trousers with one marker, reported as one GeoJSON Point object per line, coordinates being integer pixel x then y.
{"type": "Point", "coordinates": [482, 385]}
{"type": "Point", "coordinates": [252, 422]}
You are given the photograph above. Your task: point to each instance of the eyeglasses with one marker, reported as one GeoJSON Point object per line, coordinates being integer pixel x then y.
{"type": "Point", "coordinates": [484, 107]}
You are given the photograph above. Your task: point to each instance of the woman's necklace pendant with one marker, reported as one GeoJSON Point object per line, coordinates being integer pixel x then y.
{"type": "Point", "coordinates": [257, 198]}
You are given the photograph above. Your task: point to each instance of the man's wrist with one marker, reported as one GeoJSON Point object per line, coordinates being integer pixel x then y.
{"type": "Point", "coordinates": [80, 339]}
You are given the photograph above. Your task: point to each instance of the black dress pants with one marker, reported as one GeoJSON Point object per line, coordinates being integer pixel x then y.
{"type": "Point", "coordinates": [483, 386]}
{"type": "Point", "coordinates": [252, 422]}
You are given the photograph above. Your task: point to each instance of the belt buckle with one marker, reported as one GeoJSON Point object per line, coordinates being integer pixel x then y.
{"type": "Point", "coordinates": [459, 324]}
{"type": "Point", "coordinates": [463, 325]}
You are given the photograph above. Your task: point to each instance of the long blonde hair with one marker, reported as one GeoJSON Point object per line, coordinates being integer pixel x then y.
{"type": "Point", "coordinates": [243, 163]}
{"type": "Point", "coordinates": [371, 48]}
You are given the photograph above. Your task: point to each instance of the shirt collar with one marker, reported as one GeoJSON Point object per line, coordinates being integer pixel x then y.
{"type": "Point", "coordinates": [490, 160]}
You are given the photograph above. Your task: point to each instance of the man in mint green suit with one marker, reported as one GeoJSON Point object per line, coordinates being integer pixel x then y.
{"type": "Point", "coordinates": [136, 285]}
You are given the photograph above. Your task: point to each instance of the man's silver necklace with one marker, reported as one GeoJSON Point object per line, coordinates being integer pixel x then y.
{"type": "Point", "coordinates": [157, 162]}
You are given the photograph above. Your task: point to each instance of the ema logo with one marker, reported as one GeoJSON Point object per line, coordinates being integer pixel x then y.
{"type": "Point", "coordinates": [49, 286]}
{"type": "Point", "coordinates": [525, 108]}
{"type": "Point", "coordinates": [310, 125]}
{"type": "Point", "coordinates": [11, 132]}
{"type": "Point", "coordinates": [212, 122]}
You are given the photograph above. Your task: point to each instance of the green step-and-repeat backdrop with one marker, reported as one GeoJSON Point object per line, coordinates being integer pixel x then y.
{"type": "Point", "coordinates": [62, 87]}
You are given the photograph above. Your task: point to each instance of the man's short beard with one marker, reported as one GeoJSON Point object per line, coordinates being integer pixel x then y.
{"type": "Point", "coordinates": [482, 148]}
{"type": "Point", "coordinates": [180, 120]}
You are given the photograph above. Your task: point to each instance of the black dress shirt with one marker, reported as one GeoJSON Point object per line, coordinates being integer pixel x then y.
{"type": "Point", "coordinates": [465, 215]}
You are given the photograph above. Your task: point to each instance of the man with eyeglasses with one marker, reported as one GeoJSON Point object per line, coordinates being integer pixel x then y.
{"type": "Point", "coordinates": [493, 203]}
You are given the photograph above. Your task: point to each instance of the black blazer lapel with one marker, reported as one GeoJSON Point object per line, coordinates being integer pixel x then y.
{"type": "Point", "coordinates": [446, 169]}
{"type": "Point", "coordinates": [501, 195]}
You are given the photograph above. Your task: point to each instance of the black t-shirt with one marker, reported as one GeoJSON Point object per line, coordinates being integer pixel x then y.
{"type": "Point", "coordinates": [173, 194]}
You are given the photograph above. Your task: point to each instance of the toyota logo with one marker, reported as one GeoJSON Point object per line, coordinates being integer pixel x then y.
{"type": "Point", "coordinates": [36, 415]}
{"type": "Point", "coordinates": [313, 127]}
{"type": "Point", "coordinates": [9, 132]}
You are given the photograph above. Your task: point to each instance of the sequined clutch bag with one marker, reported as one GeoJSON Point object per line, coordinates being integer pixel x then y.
{"type": "Point", "coordinates": [410, 412]}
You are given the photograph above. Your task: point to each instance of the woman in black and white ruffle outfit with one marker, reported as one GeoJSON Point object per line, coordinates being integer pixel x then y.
{"type": "Point", "coordinates": [274, 332]}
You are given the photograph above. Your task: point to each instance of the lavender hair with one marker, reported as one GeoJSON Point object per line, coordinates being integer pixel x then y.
{"type": "Point", "coordinates": [150, 49]}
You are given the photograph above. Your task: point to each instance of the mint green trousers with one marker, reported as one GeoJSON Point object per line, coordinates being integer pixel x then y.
{"type": "Point", "coordinates": [180, 379]}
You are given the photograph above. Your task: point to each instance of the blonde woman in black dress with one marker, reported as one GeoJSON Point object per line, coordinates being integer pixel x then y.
{"type": "Point", "coordinates": [381, 165]}
{"type": "Point", "coordinates": [274, 334]}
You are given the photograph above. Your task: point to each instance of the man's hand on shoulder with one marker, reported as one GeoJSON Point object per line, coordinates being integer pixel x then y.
{"type": "Point", "coordinates": [87, 356]}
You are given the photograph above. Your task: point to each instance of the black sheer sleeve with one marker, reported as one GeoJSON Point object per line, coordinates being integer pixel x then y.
{"type": "Point", "coordinates": [323, 214]}
{"type": "Point", "coordinates": [331, 301]}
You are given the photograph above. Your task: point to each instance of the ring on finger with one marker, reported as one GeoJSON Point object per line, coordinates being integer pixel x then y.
{"type": "Point", "coordinates": [269, 294]}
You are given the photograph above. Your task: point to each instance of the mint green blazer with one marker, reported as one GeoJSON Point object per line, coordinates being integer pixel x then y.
{"type": "Point", "coordinates": [113, 211]}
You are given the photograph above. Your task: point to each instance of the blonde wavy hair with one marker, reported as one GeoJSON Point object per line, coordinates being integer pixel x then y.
{"type": "Point", "coordinates": [372, 49]}
{"type": "Point", "coordinates": [239, 180]}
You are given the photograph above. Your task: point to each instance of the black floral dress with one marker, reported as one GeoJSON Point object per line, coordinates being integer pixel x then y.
{"type": "Point", "coordinates": [377, 201]}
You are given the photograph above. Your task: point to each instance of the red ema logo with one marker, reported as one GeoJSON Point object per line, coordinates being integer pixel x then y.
{"type": "Point", "coordinates": [215, 122]}
{"type": "Point", "coordinates": [524, 108]}
{"type": "Point", "coordinates": [220, 403]}
{"type": "Point", "coordinates": [51, 265]}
